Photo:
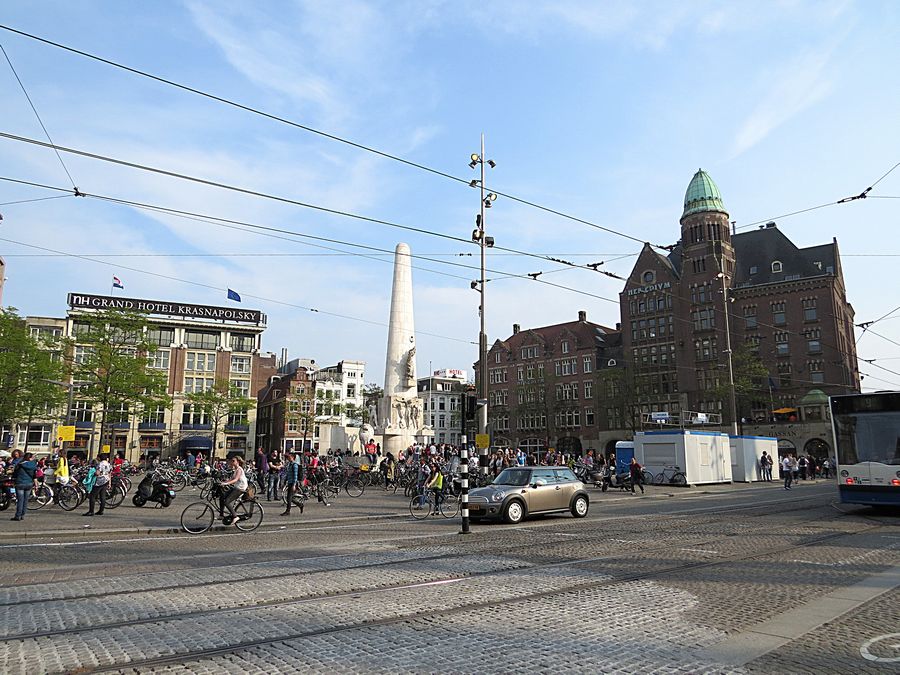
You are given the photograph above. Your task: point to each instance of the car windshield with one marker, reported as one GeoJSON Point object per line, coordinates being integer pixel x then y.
{"type": "Point", "coordinates": [516, 477]}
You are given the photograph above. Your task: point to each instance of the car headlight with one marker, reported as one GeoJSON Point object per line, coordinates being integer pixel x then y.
{"type": "Point", "coordinates": [497, 497]}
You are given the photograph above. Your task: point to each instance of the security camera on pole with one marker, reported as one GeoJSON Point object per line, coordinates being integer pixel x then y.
{"type": "Point", "coordinates": [478, 235]}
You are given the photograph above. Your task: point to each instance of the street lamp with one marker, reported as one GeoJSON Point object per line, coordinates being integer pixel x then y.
{"type": "Point", "coordinates": [733, 401]}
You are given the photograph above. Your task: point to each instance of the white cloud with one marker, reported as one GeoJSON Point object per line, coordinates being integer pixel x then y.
{"type": "Point", "coordinates": [785, 93]}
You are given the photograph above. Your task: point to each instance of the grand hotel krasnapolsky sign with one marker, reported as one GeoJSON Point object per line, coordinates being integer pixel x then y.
{"type": "Point", "coordinates": [168, 308]}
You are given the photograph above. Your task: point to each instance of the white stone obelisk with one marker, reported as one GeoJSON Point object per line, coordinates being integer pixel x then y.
{"type": "Point", "coordinates": [400, 409]}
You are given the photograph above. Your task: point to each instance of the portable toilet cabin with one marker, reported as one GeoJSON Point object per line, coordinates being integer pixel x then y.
{"type": "Point", "coordinates": [703, 456]}
{"type": "Point", "coordinates": [624, 453]}
{"type": "Point", "coordinates": [745, 454]}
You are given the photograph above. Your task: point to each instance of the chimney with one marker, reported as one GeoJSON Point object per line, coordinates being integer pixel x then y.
{"type": "Point", "coordinates": [516, 328]}
{"type": "Point", "coordinates": [284, 357]}
{"type": "Point", "coordinates": [618, 326]}
{"type": "Point", "coordinates": [582, 315]}
{"type": "Point", "coordinates": [770, 224]}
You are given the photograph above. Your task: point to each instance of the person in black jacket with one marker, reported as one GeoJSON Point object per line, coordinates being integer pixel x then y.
{"type": "Point", "coordinates": [292, 480]}
{"type": "Point", "coordinates": [637, 475]}
{"type": "Point", "coordinates": [23, 475]}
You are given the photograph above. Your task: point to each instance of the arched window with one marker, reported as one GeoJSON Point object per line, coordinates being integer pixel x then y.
{"type": "Point", "coordinates": [776, 266]}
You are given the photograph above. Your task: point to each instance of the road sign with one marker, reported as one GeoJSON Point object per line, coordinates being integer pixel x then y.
{"type": "Point", "coordinates": [65, 433]}
{"type": "Point", "coordinates": [659, 416]}
{"type": "Point", "coordinates": [482, 441]}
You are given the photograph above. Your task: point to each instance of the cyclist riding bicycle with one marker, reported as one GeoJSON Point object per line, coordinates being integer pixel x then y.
{"type": "Point", "coordinates": [437, 486]}
{"type": "Point", "coordinates": [239, 483]}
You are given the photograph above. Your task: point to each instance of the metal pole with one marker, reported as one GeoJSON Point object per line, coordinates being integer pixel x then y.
{"type": "Point", "coordinates": [464, 482]}
{"type": "Point", "coordinates": [482, 336]}
{"type": "Point", "coordinates": [734, 420]}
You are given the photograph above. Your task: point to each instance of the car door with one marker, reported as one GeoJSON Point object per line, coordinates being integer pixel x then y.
{"type": "Point", "coordinates": [568, 484]}
{"type": "Point", "coordinates": [544, 497]}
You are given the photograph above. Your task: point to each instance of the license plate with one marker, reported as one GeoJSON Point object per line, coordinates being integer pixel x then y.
{"type": "Point", "coordinates": [172, 493]}
{"type": "Point", "coordinates": [474, 507]}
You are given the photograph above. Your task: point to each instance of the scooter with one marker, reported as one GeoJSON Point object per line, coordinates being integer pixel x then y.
{"type": "Point", "coordinates": [153, 489]}
{"type": "Point", "coordinates": [7, 493]}
{"type": "Point", "coordinates": [612, 480]}
{"type": "Point", "coordinates": [593, 474]}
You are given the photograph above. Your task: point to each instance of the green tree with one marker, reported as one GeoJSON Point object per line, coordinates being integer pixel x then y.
{"type": "Point", "coordinates": [40, 394]}
{"type": "Point", "coordinates": [14, 343]}
{"type": "Point", "coordinates": [110, 368]}
{"type": "Point", "coordinates": [220, 402]}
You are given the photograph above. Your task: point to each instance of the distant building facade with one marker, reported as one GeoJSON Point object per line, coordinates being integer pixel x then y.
{"type": "Point", "coordinates": [443, 406]}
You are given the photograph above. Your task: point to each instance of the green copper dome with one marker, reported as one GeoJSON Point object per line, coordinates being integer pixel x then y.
{"type": "Point", "coordinates": [702, 195]}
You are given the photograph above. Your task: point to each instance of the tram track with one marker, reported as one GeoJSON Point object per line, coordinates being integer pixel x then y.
{"type": "Point", "coordinates": [436, 612]}
{"type": "Point", "coordinates": [301, 562]}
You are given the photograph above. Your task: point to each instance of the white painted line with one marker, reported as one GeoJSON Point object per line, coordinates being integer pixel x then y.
{"type": "Point", "coordinates": [868, 655]}
{"type": "Point", "coordinates": [698, 550]}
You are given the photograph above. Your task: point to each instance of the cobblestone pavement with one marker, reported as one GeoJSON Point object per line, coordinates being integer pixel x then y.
{"type": "Point", "coordinates": [641, 586]}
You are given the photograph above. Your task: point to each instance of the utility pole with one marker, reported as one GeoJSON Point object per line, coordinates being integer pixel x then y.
{"type": "Point", "coordinates": [484, 242]}
{"type": "Point", "coordinates": [731, 394]}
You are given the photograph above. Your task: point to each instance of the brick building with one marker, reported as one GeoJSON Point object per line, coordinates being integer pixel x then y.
{"type": "Point", "coordinates": [197, 345]}
{"type": "Point", "coordinates": [787, 305]}
{"type": "Point", "coordinates": [543, 386]}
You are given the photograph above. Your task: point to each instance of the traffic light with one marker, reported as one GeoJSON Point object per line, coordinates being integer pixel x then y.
{"type": "Point", "coordinates": [471, 405]}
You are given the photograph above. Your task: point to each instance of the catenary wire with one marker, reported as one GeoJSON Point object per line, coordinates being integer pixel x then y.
{"type": "Point", "coordinates": [39, 199]}
{"type": "Point", "coordinates": [276, 198]}
{"type": "Point", "coordinates": [222, 289]}
{"type": "Point", "coordinates": [312, 130]}
{"type": "Point", "coordinates": [36, 114]}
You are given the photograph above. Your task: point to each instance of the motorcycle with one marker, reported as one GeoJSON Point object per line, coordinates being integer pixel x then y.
{"type": "Point", "coordinates": [612, 480]}
{"type": "Point", "coordinates": [7, 493]}
{"type": "Point", "coordinates": [585, 474]}
{"type": "Point", "coordinates": [153, 489]}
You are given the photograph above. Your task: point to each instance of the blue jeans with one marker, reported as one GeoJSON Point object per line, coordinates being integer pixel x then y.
{"type": "Point", "coordinates": [22, 495]}
{"type": "Point", "coordinates": [272, 487]}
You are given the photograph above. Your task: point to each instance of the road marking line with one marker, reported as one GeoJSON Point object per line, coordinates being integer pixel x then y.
{"type": "Point", "coordinates": [698, 550]}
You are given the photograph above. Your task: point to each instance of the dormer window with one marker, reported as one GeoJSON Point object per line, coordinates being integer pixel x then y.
{"type": "Point", "coordinates": [776, 266]}
{"type": "Point", "coordinates": [753, 269]}
{"type": "Point", "coordinates": [565, 346]}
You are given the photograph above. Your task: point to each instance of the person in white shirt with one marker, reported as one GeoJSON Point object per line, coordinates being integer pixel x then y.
{"type": "Point", "coordinates": [787, 470]}
{"type": "Point", "coordinates": [239, 486]}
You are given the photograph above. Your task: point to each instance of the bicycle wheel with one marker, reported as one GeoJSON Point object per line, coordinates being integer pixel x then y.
{"type": "Point", "coordinates": [250, 515]}
{"type": "Point", "coordinates": [660, 478]}
{"type": "Point", "coordinates": [197, 517]}
{"type": "Point", "coordinates": [39, 498]}
{"type": "Point", "coordinates": [330, 491]}
{"type": "Point", "coordinates": [115, 497]}
{"type": "Point", "coordinates": [647, 476]}
{"type": "Point", "coordinates": [354, 487]}
{"type": "Point", "coordinates": [70, 497]}
{"type": "Point", "coordinates": [179, 482]}
{"type": "Point", "coordinates": [679, 479]}
{"type": "Point", "coordinates": [423, 510]}
{"type": "Point", "coordinates": [449, 506]}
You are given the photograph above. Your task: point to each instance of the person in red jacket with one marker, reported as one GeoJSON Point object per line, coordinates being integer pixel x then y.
{"type": "Point", "coordinates": [637, 476]}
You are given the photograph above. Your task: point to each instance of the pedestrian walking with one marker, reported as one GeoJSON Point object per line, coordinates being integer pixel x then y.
{"type": "Point", "coordinates": [23, 477]}
{"type": "Point", "coordinates": [637, 476]}
{"type": "Point", "coordinates": [102, 470]}
{"type": "Point", "coordinates": [291, 478]}
{"type": "Point", "coordinates": [787, 471]}
{"type": "Point", "coordinates": [275, 467]}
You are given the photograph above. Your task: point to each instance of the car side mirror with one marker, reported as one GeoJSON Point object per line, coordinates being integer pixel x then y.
{"type": "Point", "coordinates": [540, 482]}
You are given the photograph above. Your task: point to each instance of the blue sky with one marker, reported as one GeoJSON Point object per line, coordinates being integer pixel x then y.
{"type": "Point", "coordinates": [601, 110]}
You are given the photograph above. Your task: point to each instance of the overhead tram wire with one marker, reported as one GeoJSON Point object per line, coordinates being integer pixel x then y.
{"type": "Point", "coordinates": [312, 130]}
{"type": "Point", "coordinates": [30, 201]}
{"type": "Point", "coordinates": [276, 198]}
{"type": "Point", "coordinates": [267, 230]}
{"type": "Point", "coordinates": [36, 114]}
{"type": "Point", "coordinates": [223, 289]}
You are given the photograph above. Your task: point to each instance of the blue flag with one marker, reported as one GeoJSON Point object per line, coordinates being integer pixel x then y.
{"type": "Point", "coordinates": [232, 295]}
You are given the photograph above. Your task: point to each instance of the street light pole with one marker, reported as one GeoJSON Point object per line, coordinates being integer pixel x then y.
{"type": "Point", "coordinates": [733, 401]}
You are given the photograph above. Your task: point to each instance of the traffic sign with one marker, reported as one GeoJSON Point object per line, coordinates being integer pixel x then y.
{"type": "Point", "coordinates": [65, 433]}
{"type": "Point", "coordinates": [482, 441]}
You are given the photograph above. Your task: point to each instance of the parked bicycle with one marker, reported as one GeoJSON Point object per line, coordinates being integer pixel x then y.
{"type": "Point", "coordinates": [671, 475]}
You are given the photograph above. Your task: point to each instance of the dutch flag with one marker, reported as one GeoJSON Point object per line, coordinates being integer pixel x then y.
{"type": "Point", "coordinates": [117, 283]}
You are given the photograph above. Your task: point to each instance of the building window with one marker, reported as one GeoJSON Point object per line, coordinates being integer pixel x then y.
{"type": "Point", "coordinates": [699, 265]}
{"type": "Point", "coordinates": [648, 277]}
{"type": "Point", "coordinates": [240, 364]}
{"type": "Point", "coordinates": [809, 310]}
{"type": "Point", "coordinates": [753, 269]}
{"type": "Point", "coordinates": [705, 349]}
{"type": "Point", "coordinates": [815, 372]}
{"type": "Point", "coordinates": [750, 317]}
{"type": "Point", "coordinates": [703, 319]}
{"type": "Point", "coordinates": [776, 266]}
{"type": "Point", "coordinates": [241, 342]}
{"type": "Point", "coordinates": [159, 360]}
{"type": "Point", "coordinates": [813, 344]}
{"type": "Point", "coordinates": [497, 357]}
{"type": "Point", "coordinates": [45, 332]}
{"type": "Point", "coordinates": [241, 388]}
{"type": "Point", "coordinates": [782, 347]}
{"type": "Point", "coordinates": [83, 411]}
{"type": "Point", "coordinates": [779, 318]}
{"type": "Point", "coordinates": [155, 415]}
{"type": "Point", "coordinates": [81, 354]}
{"type": "Point", "coordinates": [293, 424]}
{"type": "Point", "coordinates": [201, 340]}
{"type": "Point", "coordinates": [587, 364]}
{"type": "Point", "coordinates": [191, 416]}
{"type": "Point", "coordinates": [784, 374]}
{"type": "Point", "coordinates": [589, 389]}
{"type": "Point", "coordinates": [589, 417]}
{"type": "Point", "coordinates": [161, 337]}
{"type": "Point", "coordinates": [197, 385]}
{"type": "Point", "coordinates": [200, 362]}
{"type": "Point", "coordinates": [565, 346]}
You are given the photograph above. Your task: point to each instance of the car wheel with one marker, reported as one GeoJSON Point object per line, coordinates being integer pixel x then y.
{"type": "Point", "coordinates": [580, 506]}
{"type": "Point", "coordinates": [514, 512]}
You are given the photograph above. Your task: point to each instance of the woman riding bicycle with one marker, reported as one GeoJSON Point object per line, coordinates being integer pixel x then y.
{"type": "Point", "coordinates": [239, 486]}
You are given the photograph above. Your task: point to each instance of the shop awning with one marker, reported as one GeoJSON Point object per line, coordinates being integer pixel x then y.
{"type": "Point", "coordinates": [784, 411]}
{"type": "Point", "coordinates": [196, 443]}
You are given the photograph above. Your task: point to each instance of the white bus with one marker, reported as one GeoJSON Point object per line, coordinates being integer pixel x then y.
{"type": "Point", "coordinates": [867, 443]}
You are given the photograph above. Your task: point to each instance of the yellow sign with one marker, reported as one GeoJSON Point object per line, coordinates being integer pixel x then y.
{"type": "Point", "coordinates": [65, 433]}
{"type": "Point", "coordinates": [104, 450]}
{"type": "Point", "coordinates": [482, 441]}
